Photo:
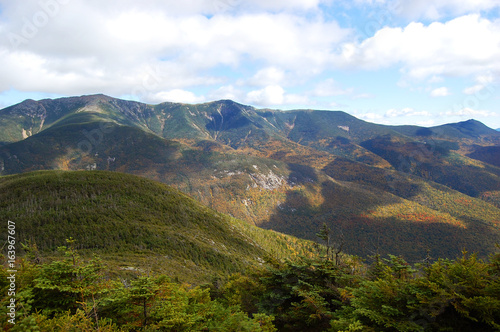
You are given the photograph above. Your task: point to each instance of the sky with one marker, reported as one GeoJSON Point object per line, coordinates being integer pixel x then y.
{"type": "Point", "coordinates": [418, 62]}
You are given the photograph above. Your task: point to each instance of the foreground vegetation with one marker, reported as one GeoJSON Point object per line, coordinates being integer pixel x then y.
{"type": "Point", "coordinates": [74, 294]}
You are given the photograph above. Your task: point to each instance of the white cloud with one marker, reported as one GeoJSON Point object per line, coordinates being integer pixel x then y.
{"type": "Point", "coordinates": [270, 95]}
{"type": "Point", "coordinates": [176, 95]}
{"type": "Point", "coordinates": [226, 92]}
{"type": "Point", "coordinates": [440, 92]}
{"type": "Point", "coordinates": [407, 111]}
{"type": "Point", "coordinates": [267, 76]}
{"type": "Point", "coordinates": [399, 116]}
{"type": "Point", "coordinates": [483, 81]}
{"type": "Point", "coordinates": [274, 95]}
{"type": "Point", "coordinates": [473, 89]}
{"type": "Point", "coordinates": [436, 79]}
{"type": "Point", "coordinates": [402, 116]}
{"type": "Point", "coordinates": [465, 112]}
{"type": "Point", "coordinates": [111, 47]}
{"type": "Point", "coordinates": [370, 116]}
{"type": "Point", "coordinates": [439, 49]}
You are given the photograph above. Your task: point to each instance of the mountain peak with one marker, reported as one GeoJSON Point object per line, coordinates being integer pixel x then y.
{"type": "Point", "coordinates": [224, 101]}
{"type": "Point", "coordinates": [473, 125]}
{"type": "Point", "coordinates": [229, 103]}
{"type": "Point", "coordinates": [471, 122]}
{"type": "Point", "coordinates": [465, 129]}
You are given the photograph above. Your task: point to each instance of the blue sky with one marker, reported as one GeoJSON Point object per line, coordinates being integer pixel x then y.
{"type": "Point", "coordinates": [423, 62]}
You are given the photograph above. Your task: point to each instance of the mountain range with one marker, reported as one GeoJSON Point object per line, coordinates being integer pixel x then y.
{"type": "Point", "coordinates": [405, 190]}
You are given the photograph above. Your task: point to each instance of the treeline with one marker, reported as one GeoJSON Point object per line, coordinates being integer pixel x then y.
{"type": "Point", "coordinates": [320, 294]}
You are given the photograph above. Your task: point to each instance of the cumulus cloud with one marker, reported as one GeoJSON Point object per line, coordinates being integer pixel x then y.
{"type": "Point", "coordinates": [463, 46]}
{"type": "Point", "coordinates": [274, 95]}
{"type": "Point", "coordinates": [226, 92]}
{"type": "Point", "coordinates": [485, 81]}
{"type": "Point", "coordinates": [267, 76]}
{"type": "Point", "coordinates": [402, 116]}
{"type": "Point", "coordinates": [119, 47]}
{"type": "Point", "coordinates": [436, 79]}
{"type": "Point", "coordinates": [176, 95]}
{"type": "Point", "coordinates": [440, 92]}
{"type": "Point", "coordinates": [473, 89]}
{"type": "Point", "coordinates": [370, 116]}
{"type": "Point", "coordinates": [407, 111]}
{"type": "Point", "coordinates": [270, 95]}
{"type": "Point", "coordinates": [469, 112]}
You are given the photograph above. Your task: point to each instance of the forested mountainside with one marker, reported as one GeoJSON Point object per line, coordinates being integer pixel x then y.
{"type": "Point", "coordinates": [136, 224]}
{"type": "Point", "coordinates": [388, 189]}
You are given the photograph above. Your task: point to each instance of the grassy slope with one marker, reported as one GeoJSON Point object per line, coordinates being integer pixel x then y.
{"type": "Point", "coordinates": [134, 222]}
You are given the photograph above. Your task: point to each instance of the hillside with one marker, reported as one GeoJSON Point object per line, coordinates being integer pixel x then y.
{"type": "Point", "coordinates": [135, 224]}
{"type": "Point", "coordinates": [290, 171]}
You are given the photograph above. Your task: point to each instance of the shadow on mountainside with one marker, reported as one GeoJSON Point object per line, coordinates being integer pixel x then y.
{"type": "Point", "coordinates": [347, 206]}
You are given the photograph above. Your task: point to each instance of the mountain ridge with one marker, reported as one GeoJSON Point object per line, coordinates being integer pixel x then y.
{"type": "Point", "coordinates": [89, 100]}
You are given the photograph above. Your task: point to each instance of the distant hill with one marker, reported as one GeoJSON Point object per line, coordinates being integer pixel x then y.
{"type": "Point", "coordinates": [135, 224]}
{"type": "Point", "coordinates": [471, 129]}
{"type": "Point", "coordinates": [387, 189]}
